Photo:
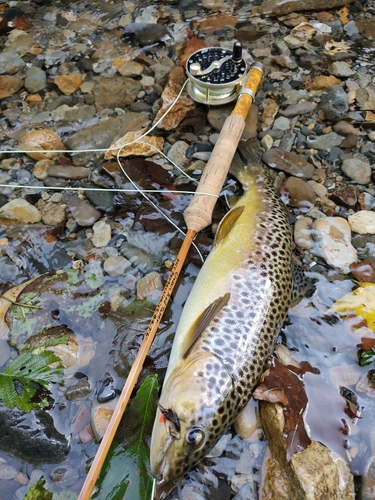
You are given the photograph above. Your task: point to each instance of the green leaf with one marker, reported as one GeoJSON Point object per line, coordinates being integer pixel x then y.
{"type": "Point", "coordinates": [38, 491]}
{"type": "Point", "coordinates": [27, 370]}
{"type": "Point", "coordinates": [125, 474]}
{"type": "Point", "coordinates": [367, 357]}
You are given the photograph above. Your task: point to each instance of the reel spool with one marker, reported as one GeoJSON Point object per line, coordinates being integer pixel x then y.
{"type": "Point", "coordinates": [215, 74]}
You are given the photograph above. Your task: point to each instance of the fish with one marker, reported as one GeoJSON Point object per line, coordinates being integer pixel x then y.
{"type": "Point", "coordinates": [227, 330]}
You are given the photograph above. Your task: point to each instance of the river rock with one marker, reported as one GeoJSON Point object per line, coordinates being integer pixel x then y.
{"type": "Point", "coordinates": [324, 142]}
{"type": "Point", "coordinates": [150, 287]}
{"type": "Point", "coordinates": [9, 85]}
{"type": "Point", "coordinates": [362, 222]}
{"type": "Point", "coordinates": [83, 213]}
{"type": "Point", "coordinates": [68, 172]}
{"type": "Point", "coordinates": [116, 265]}
{"type": "Point", "coordinates": [117, 91]}
{"type": "Point", "coordinates": [101, 414]}
{"type": "Point", "coordinates": [357, 169]}
{"type": "Point", "coordinates": [332, 236]}
{"type": "Point", "coordinates": [364, 270]}
{"type": "Point", "coordinates": [137, 256]}
{"type": "Point", "coordinates": [341, 69]}
{"type": "Point", "coordinates": [36, 79]}
{"type": "Point", "coordinates": [70, 83]}
{"type": "Point", "coordinates": [282, 7]}
{"type": "Point", "coordinates": [365, 98]}
{"type": "Point", "coordinates": [334, 103]}
{"type": "Point", "coordinates": [303, 233]}
{"type": "Point", "coordinates": [102, 234]}
{"type": "Point", "coordinates": [300, 194]}
{"type": "Point", "coordinates": [20, 209]}
{"type": "Point", "coordinates": [366, 201]}
{"type": "Point", "coordinates": [43, 139]}
{"type": "Point", "coordinates": [10, 62]}
{"type": "Point", "coordinates": [300, 108]}
{"type": "Point", "coordinates": [289, 163]}
{"type": "Point", "coordinates": [270, 109]}
{"type": "Point", "coordinates": [346, 196]}
{"type": "Point", "coordinates": [316, 473]}
{"type": "Point", "coordinates": [32, 437]}
{"type": "Point", "coordinates": [53, 214]}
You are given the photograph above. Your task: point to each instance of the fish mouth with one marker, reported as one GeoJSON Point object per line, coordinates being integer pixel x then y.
{"type": "Point", "coordinates": [163, 488]}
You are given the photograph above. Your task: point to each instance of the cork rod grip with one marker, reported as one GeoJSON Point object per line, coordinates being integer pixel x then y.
{"type": "Point", "coordinates": [198, 215]}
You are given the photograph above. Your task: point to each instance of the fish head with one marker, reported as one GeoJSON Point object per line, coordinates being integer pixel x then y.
{"type": "Point", "coordinates": [191, 417]}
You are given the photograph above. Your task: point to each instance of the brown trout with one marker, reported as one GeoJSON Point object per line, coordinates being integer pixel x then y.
{"type": "Point", "coordinates": [227, 331]}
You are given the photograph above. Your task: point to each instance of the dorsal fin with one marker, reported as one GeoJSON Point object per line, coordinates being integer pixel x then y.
{"type": "Point", "coordinates": [202, 322]}
{"type": "Point", "coordinates": [226, 224]}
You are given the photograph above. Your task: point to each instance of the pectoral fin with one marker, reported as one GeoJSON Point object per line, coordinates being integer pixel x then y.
{"type": "Point", "coordinates": [202, 322]}
{"type": "Point", "coordinates": [226, 224]}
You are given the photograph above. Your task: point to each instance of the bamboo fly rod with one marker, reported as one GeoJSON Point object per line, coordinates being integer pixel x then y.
{"type": "Point", "coordinates": [197, 216]}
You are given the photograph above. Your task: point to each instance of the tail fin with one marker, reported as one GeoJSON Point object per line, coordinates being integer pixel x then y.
{"type": "Point", "coordinates": [248, 153]}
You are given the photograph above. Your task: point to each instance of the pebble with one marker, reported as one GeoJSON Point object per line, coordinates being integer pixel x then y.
{"type": "Point", "coordinates": [138, 257]}
{"type": "Point", "coordinates": [79, 390]}
{"type": "Point", "coordinates": [303, 233]}
{"type": "Point", "coordinates": [346, 196]}
{"type": "Point", "coordinates": [300, 108]}
{"type": "Point", "coordinates": [36, 80]}
{"type": "Point", "coordinates": [101, 414]}
{"type": "Point", "coordinates": [70, 83]}
{"type": "Point", "coordinates": [65, 476]}
{"type": "Point", "coordinates": [43, 139]}
{"type": "Point", "coordinates": [289, 163]}
{"type": "Point", "coordinates": [364, 270]}
{"type": "Point", "coordinates": [366, 201]}
{"type": "Point", "coordinates": [102, 234]}
{"type": "Point", "coordinates": [332, 236]}
{"type": "Point", "coordinates": [269, 112]}
{"type": "Point", "coordinates": [83, 213]}
{"type": "Point", "coordinates": [357, 169]}
{"type": "Point", "coordinates": [300, 194]}
{"type": "Point", "coordinates": [324, 142]}
{"type": "Point", "coordinates": [9, 85]}
{"type": "Point", "coordinates": [362, 222]}
{"type": "Point", "coordinates": [19, 209]}
{"type": "Point", "coordinates": [150, 287]}
{"type": "Point", "coordinates": [10, 63]}
{"type": "Point", "coordinates": [53, 214]}
{"type": "Point", "coordinates": [334, 103]}
{"type": "Point", "coordinates": [341, 69]}
{"type": "Point", "coordinates": [7, 471]}
{"type": "Point", "coordinates": [116, 266]}
{"type": "Point", "coordinates": [365, 98]}
{"type": "Point", "coordinates": [68, 172]}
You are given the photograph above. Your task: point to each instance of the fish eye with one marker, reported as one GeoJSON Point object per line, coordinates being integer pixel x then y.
{"type": "Point", "coordinates": [195, 438]}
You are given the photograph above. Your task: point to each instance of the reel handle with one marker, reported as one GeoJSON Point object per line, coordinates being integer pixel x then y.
{"type": "Point", "coordinates": [198, 215]}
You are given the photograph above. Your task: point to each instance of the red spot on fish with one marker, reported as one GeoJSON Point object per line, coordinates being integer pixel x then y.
{"type": "Point", "coordinates": [162, 419]}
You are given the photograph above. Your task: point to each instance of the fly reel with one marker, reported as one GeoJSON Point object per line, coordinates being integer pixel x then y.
{"type": "Point", "coordinates": [215, 74]}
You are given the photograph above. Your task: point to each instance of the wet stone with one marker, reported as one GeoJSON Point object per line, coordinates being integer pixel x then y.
{"type": "Point", "coordinates": [346, 196]}
{"type": "Point", "coordinates": [363, 270]}
{"type": "Point", "coordinates": [366, 201]}
{"type": "Point", "coordinates": [84, 214]}
{"type": "Point", "coordinates": [53, 214]}
{"type": "Point", "coordinates": [300, 194]}
{"type": "Point", "coordinates": [118, 91]}
{"type": "Point", "coordinates": [324, 142]}
{"type": "Point", "coordinates": [334, 103]}
{"type": "Point", "coordinates": [362, 222]}
{"type": "Point", "coordinates": [357, 169]}
{"type": "Point", "coordinates": [298, 109]}
{"type": "Point", "coordinates": [150, 286]}
{"type": "Point", "coordinates": [65, 476]}
{"type": "Point", "coordinates": [289, 163]}
{"type": "Point", "coordinates": [101, 200]}
{"type": "Point", "coordinates": [79, 390]}
{"type": "Point", "coordinates": [7, 472]}
{"type": "Point", "coordinates": [10, 63]}
{"type": "Point", "coordinates": [36, 80]}
{"type": "Point", "coordinates": [116, 266]}
{"type": "Point", "coordinates": [138, 257]}
{"type": "Point", "coordinates": [9, 85]}
{"type": "Point", "coordinates": [68, 172]}
{"type": "Point", "coordinates": [19, 209]}
{"type": "Point", "coordinates": [106, 390]}
{"type": "Point", "coordinates": [102, 234]}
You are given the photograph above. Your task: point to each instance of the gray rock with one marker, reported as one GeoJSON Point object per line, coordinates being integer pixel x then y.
{"type": "Point", "coordinates": [116, 266]}
{"type": "Point", "coordinates": [32, 437]}
{"type": "Point", "coordinates": [325, 142]}
{"type": "Point", "coordinates": [101, 200]}
{"type": "Point", "coordinates": [83, 213]}
{"type": "Point", "coordinates": [115, 92]}
{"type": "Point", "coordinates": [65, 476]}
{"type": "Point", "coordinates": [334, 103]}
{"type": "Point", "coordinates": [10, 63]}
{"type": "Point", "coordinates": [298, 109]}
{"type": "Point", "coordinates": [79, 390]}
{"type": "Point", "coordinates": [341, 69]}
{"type": "Point", "coordinates": [145, 33]}
{"type": "Point", "coordinates": [137, 257]}
{"type": "Point", "coordinates": [78, 114]}
{"type": "Point", "coordinates": [68, 172]}
{"type": "Point", "coordinates": [36, 79]}
{"type": "Point", "coordinates": [357, 169]}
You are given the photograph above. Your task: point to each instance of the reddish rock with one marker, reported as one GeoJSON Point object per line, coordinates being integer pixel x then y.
{"type": "Point", "coordinates": [346, 196]}
{"type": "Point", "coordinates": [364, 270]}
{"type": "Point", "coordinates": [9, 85]}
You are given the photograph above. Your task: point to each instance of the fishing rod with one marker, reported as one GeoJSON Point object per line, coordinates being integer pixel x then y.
{"type": "Point", "coordinates": [216, 76]}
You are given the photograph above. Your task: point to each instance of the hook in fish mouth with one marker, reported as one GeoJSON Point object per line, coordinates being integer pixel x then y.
{"type": "Point", "coordinates": [171, 416]}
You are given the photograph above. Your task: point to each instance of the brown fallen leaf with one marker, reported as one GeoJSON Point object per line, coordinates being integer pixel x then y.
{"type": "Point", "coordinates": [282, 385]}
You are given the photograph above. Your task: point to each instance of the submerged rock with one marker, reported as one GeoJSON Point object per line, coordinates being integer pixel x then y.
{"type": "Point", "coordinates": [312, 474]}
{"type": "Point", "coordinates": [32, 437]}
{"type": "Point", "coordinates": [282, 7]}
